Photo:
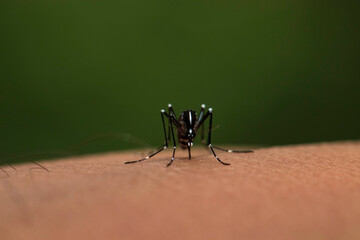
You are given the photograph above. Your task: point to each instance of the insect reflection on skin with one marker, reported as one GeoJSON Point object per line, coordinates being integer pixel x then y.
{"type": "Point", "coordinates": [187, 125]}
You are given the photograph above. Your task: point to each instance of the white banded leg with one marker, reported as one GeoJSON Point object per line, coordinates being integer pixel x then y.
{"type": "Point", "coordinates": [212, 150]}
{"type": "Point", "coordinates": [172, 132]}
{"type": "Point", "coordinates": [161, 148]}
{"type": "Point", "coordinates": [232, 151]}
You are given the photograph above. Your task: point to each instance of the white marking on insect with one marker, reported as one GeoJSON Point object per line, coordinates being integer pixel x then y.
{"type": "Point", "coordinates": [210, 109]}
{"type": "Point", "coordinates": [147, 157]}
{"type": "Point", "coordinates": [202, 105]}
{"type": "Point", "coordinates": [169, 105]}
{"type": "Point", "coordinates": [162, 110]}
{"type": "Point", "coordinates": [230, 150]}
{"type": "Point", "coordinates": [190, 118]}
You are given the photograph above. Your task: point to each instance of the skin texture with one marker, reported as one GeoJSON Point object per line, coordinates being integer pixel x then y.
{"type": "Point", "coordinates": [290, 192]}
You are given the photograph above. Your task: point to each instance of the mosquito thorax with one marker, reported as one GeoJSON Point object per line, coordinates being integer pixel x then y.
{"type": "Point", "coordinates": [188, 119]}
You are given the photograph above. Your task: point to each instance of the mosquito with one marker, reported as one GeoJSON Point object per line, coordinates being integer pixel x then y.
{"type": "Point", "coordinates": [188, 125]}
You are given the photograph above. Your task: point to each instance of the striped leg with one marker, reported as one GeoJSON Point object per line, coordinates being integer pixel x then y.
{"type": "Point", "coordinates": [202, 127]}
{"type": "Point", "coordinates": [172, 132]}
{"type": "Point", "coordinates": [171, 111]}
{"type": "Point", "coordinates": [161, 148]}
{"type": "Point", "coordinates": [209, 114]}
{"type": "Point", "coordinates": [209, 138]}
{"type": "Point", "coordinates": [233, 151]}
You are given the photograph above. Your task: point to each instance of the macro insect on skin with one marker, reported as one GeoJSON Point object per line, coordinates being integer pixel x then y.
{"type": "Point", "coordinates": [188, 125]}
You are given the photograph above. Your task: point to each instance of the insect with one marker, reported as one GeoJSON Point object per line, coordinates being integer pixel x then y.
{"type": "Point", "coordinates": [187, 125]}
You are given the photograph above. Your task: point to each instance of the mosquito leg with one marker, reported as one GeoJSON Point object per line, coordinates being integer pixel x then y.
{"type": "Point", "coordinates": [189, 150]}
{"type": "Point", "coordinates": [209, 113]}
{"type": "Point", "coordinates": [201, 124]}
{"type": "Point", "coordinates": [212, 150]}
{"type": "Point", "coordinates": [233, 151]}
{"type": "Point", "coordinates": [161, 148]}
{"type": "Point", "coordinates": [212, 147]}
{"type": "Point", "coordinates": [171, 111]}
{"type": "Point", "coordinates": [202, 127]}
{"type": "Point", "coordinates": [172, 132]}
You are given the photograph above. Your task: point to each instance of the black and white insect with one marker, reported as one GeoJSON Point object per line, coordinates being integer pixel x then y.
{"type": "Point", "coordinates": [188, 125]}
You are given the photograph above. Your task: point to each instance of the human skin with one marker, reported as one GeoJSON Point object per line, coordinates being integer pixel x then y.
{"type": "Point", "coordinates": [291, 192]}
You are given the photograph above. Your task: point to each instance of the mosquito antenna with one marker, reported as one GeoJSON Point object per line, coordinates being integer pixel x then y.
{"type": "Point", "coordinates": [216, 127]}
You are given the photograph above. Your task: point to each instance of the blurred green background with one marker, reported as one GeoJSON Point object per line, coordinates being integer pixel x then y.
{"type": "Point", "coordinates": [275, 72]}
